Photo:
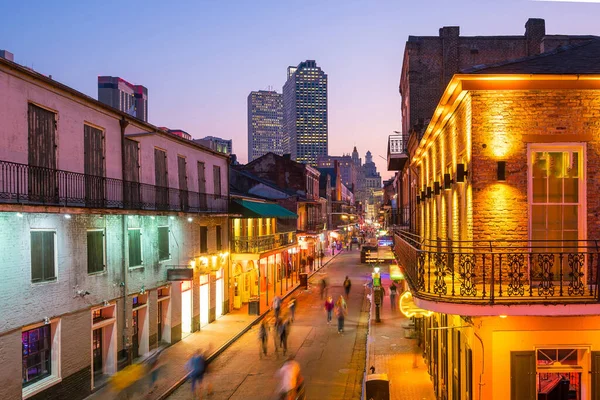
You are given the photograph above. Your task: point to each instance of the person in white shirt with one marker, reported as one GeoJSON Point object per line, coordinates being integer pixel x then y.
{"type": "Point", "coordinates": [289, 379]}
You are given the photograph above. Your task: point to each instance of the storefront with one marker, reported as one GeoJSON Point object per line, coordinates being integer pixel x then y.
{"type": "Point", "coordinates": [186, 308]}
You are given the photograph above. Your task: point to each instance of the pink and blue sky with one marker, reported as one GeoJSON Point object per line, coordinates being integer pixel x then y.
{"type": "Point", "coordinates": [200, 59]}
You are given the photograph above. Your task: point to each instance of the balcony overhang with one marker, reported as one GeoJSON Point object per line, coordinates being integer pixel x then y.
{"type": "Point", "coordinates": [396, 162]}
{"type": "Point", "coordinates": [256, 209]}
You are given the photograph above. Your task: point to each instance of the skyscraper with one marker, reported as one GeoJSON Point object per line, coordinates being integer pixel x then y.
{"type": "Point", "coordinates": [265, 123]}
{"type": "Point", "coordinates": [120, 94]}
{"type": "Point", "coordinates": [305, 112]}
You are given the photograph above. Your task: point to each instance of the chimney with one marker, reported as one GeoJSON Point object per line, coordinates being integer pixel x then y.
{"type": "Point", "coordinates": [450, 37]}
{"type": "Point", "coordinates": [7, 55]}
{"type": "Point", "coordinates": [535, 30]}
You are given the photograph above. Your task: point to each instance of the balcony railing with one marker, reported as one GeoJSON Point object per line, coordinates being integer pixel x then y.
{"type": "Point", "coordinates": [261, 244]}
{"type": "Point", "coordinates": [500, 272]}
{"type": "Point", "coordinates": [25, 184]}
{"type": "Point", "coordinates": [397, 152]}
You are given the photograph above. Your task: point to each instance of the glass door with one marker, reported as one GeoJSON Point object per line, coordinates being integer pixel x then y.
{"type": "Point", "coordinates": [97, 351]}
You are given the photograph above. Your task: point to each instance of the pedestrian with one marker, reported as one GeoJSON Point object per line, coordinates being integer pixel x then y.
{"type": "Point", "coordinates": [347, 286]}
{"type": "Point", "coordinates": [276, 323]}
{"type": "Point", "coordinates": [292, 308]}
{"type": "Point", "coordinates": [323, 287]}
{"type": "Point", "coordinates": [197, 366]}
{"type": "Point", "coordinates": [322, 255]}
{"type": "Point", "coordinates": [290, 380]}
{"type": "Point", "coordinates": [277, 306]}
{"type": "Point", "coordinates": [329, 308]}
{"type": "Point", "coordinates": [263, 337]}
{"type": "Point", "coordinates": [340, 312]}
{"type": "Point", "coordinates": [393, 292]}
{"type": "Point", "coordinates": [311, 261]}
{"type": "Point", "coordinates": [155, 364]}
{"type": "Point", "coordinates": [283, 331]}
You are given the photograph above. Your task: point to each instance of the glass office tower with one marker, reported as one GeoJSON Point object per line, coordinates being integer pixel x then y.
{"type": "Point", "coordinates": [265, 123]}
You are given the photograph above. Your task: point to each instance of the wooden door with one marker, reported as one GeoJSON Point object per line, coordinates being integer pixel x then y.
{"type": "Point", "coordinates": [522, 375]}
{"type": "Point", "coordinates": [42, 178]}
{"type": "Point", "coordinates": [595, 374]}
{"type": "Point", "coordinates": [93, 155]}
{"type": "Point", "coordinates": [183, 186]}
{"type": "Point", "coordinates": [161, 179]}
{"type": "Point", "coordinates": [131, 175]}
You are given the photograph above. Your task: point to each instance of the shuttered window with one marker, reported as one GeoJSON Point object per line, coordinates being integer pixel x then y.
{"type": "Point", "coordinates": [135, 247]}
{"type": "Point", "coordinates": [95, 251]}
{"type": "Point", "coordinates": [219, 241]}
{"type": "Point", "coordinates": [43, 264]}
{"type": "Point", "coordinates": [163, 243]}
{"type": "Point", "coordinates": [203, 239]}
{"type": "Point", "coordinates": [217, 180]}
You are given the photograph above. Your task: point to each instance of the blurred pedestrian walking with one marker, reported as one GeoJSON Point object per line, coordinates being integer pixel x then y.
{"type": "Point", "coordinates": [263, 337]}
{"type": "Point", "coordinates": [155, 366]}
{"type": "Point", "coordinates": [347, 286]}
{"type": "Point", "coordinates": [340, 311]}
{"type": "Point", "coordinates": [329, 308]}
{"type": "Point", "coordinates": [198, 367]}
{"type": "Point", "coordinates": [393, 293]}
{"type": "Point", "coordinates": [283, 330]}
{"type": "Point", "coordinates": [290, 380]}
{"type": "Point", "coordinates": [292, 308]}
{"type": "Point", "coordinates": [277, 306]}
{"type": "Point", "coordinates": [323, 288]}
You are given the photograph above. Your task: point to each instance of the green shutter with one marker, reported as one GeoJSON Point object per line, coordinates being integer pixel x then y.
{"type": "Point", "coordinates": [522, 375]}
{"type": "Point", "coordinates": [95, 251]}
{"type": "Point", "coordinates": [48, 254]}
{"type": "Point", "coordinates": [203, 239]}
{"type": "Point", "coordinates": [219, 244]}
{"type": "Point", "coordinates": [36, 257]}
{"type": "Point", "coordinates": [163, 243]}
{"type": "Point", "coordinates": [135, 247]}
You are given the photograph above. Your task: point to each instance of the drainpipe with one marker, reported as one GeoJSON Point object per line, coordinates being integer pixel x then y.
{"type": "Point", "coordinates": [125, 259]}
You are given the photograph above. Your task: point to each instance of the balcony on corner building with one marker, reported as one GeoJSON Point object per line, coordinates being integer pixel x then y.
{"type": "Point", "coordinates": [262, 244]}
{"type": "Point", "coordinates": [397, 152]}
{"type": "Point", "coordinates": [499, 272]}
{"type": "Point", "coordinates": [29, 185]}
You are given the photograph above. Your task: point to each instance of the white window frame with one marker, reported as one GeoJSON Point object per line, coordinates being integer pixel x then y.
{"type": "Point", "coordinates": [55, 256]}
{"type": "Point", "coordinates": [55, 357]}
{"type": "Point", "coordinates": [582, 185]}
{"type": "Point", "coordinates": [103, 251]}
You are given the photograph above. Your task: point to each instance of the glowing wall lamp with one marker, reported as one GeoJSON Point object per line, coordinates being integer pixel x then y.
{"type": "Point", "coordinates": [501, 170]}
{"type": "Point", "coordinates": [437, 188]}
{"type": "Point", "coordinates": [447, 182]}
{"type": "Point", "coordinates": [461, 172]}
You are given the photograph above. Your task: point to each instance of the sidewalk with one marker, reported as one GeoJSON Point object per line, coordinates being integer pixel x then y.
{"type": "Point", "coordinates": [391, 353]}
{"type": "Point", "coordinates": [215, 337]}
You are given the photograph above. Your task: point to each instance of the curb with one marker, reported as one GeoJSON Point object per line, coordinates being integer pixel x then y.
{"type": "Point", "coordinates": [225, 345]}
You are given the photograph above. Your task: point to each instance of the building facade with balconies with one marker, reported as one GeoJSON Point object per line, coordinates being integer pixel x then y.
{"type": "Point", "coordinates": [113, 238]}
{"type": "Point", "coordinates": [264, 251]}
{"type": "Point", "coordinates": [502, 263]}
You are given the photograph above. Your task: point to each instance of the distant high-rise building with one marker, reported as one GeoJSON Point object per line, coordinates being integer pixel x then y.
{"type": "Point", "coordinates": [305, 112]}
{"type": "Point", "coordinates": [348, 170]}
{"type": "Point", "coordinates": [217, 144]}
{"type": "Point", "coordinates": [265, 123]}
{"type": "Point", "coordinates": [120, 94]}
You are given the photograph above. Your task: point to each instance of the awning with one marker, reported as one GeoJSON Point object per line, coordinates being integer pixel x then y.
{"type": "Point", "coordinates": [255, 209]}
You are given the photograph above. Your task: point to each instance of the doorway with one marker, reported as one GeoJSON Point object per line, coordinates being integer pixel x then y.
{"type": "Point", "coordinates": [204, 299]}
{"type": "Point", "coordinates": [219, 293]}
{"type": "Point", "coordinates": [186, 308]}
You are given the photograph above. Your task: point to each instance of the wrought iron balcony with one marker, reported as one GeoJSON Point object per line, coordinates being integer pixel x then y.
{"type": "Point", "coordinates": [25, 184]}
{"type": "Point", "coordinates": [261, 244]}
{"type": "Point", "coordinates": [500, 272]}
{"type": "Point", "coordinates": [397, 152]}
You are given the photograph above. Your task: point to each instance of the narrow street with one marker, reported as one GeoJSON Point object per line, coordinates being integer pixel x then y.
{"type": "Point", "coordinates": [331, 363]}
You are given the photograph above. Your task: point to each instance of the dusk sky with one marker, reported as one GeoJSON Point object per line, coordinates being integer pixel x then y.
{"type": "Point", "coordinates": [201, 59]}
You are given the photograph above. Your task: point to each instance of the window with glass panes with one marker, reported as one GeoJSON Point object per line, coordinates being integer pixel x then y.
{"type": "Point", "coordinates": [37, 351]}
{"type": "Point", "coordinates": [556, 181]}
{"type": "Point", "coordinates": [163, 243]}
{"type": "Point", "coordinates": [43, 256]}
{"type": "Point", "coordinates": [95, 251]}
{"type": "Point", "coordinates": [135, 247]}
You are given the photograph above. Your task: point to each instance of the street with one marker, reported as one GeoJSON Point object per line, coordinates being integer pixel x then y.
{"type": "Point", "coordinates": [332, 363]}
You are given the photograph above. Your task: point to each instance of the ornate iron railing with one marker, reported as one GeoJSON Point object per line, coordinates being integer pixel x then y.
{"type": "Point", "coordinates": [500, 272]}
{"type": "Point", "coordinates": [260, 244]}
{"type": "Point", "coordinates": [25, 184]}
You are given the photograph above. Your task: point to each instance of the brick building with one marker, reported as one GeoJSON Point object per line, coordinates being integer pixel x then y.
{"type": "Point", "coordinates": [113, 238]}
{"type": "Point", "coordinates": [502, 258]}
